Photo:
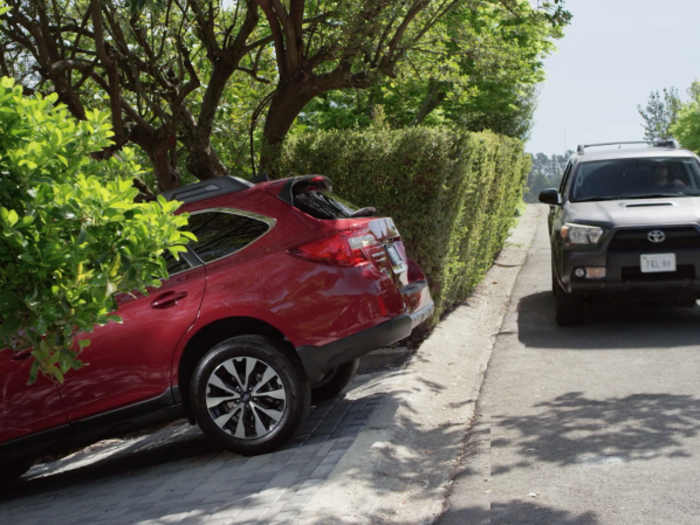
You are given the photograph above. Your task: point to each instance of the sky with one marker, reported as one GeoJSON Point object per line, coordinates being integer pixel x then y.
{"type": "Point", "coordinates": [613, 55]}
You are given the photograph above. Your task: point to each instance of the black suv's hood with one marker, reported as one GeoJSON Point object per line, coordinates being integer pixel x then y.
{"type": "Point", "coordinates": [635, 212]}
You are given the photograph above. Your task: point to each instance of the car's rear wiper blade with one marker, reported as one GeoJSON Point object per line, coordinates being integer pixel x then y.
{"type": "Point", "coordinates": [367, 211]}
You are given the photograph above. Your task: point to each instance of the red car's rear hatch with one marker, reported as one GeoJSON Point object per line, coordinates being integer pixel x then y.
{"type": "Point", "coordinates": [360, 238]}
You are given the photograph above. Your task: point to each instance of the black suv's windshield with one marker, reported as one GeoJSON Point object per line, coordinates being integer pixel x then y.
{"type": "Point", "coordinates": [635, 179]}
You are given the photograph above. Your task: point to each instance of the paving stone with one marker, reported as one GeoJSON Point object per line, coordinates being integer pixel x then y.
{"type": "Point", "coordinates": [251, 488]}
{"type": "Point", "coordinates": [216, 488]}
{"type": "Point", "coordinates": [292, 507]}
{"type": "Point", "coordinates": [283, 518]}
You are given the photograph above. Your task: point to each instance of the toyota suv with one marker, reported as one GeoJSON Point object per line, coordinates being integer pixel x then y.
{"type": "Point", "coordinates": [625, 223]}
{"type": "Point", "coordinates": [286, 287]}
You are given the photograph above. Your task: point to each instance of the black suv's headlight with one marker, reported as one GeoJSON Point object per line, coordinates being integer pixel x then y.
{"type": "Point", "coordinates": [581, 234]}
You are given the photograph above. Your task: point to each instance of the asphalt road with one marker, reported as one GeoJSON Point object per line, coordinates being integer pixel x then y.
{"type": "Point", "coordinates": [596, 424]}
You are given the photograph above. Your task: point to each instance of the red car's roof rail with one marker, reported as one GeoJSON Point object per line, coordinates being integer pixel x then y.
{"type": "Point", "coordinates": [207, 188]}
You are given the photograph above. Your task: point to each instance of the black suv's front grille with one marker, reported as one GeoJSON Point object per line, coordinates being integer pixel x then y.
{"type": "Point", "coordinates": [635, 240]}
{"type": "Point", "coordinates": [635, 274]}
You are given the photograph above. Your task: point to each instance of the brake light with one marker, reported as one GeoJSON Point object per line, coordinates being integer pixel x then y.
{"type": "Point", "coordinates": [341, 249]}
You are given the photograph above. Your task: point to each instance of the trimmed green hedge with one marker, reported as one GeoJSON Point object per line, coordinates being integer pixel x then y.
{"type": "Point", "coordinates": [451, 193]}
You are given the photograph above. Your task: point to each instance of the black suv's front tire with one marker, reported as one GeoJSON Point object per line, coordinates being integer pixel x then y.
{"type": "Point", "coordinates": [569, 306]}
{"type": "Point", "coordinates": [247, 395]}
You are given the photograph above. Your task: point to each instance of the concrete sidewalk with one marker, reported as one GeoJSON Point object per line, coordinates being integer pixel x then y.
{"type": "Point", "coordinates": [399, 469]}
{"type": "Point", "coordinates": [382, 454]}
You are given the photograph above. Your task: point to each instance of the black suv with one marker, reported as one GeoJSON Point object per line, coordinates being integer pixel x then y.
{"type": "Point", "coordinates": [625, 223]}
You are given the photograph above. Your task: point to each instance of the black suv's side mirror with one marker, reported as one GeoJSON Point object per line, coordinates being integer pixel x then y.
{"type": "Point", "coordinates": [550, 196]}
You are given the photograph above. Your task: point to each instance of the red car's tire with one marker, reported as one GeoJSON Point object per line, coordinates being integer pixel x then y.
{"type": "Point", "coordinates": [334, 382]}
{"type": "Point", "coordinates": [247, 395]}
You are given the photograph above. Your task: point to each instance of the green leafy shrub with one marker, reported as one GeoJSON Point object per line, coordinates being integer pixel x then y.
{"type": "Point", "coordinates": [71, 235]}
{"type": "Point", "coordinates": [452, 193]}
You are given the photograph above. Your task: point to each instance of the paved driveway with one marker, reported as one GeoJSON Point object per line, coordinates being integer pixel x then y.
{"type": "Point", "coordinates": [177, 475]}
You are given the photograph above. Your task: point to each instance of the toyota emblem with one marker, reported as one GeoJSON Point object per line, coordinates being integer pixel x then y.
{"type": "Point", "coordinates": [656, 236]}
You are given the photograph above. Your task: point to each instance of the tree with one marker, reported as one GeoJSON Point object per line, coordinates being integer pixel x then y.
{"type": "Point", "coordinates": [147, 67]}
{"type": "Point", "coordinates": [686, 128]}
{"type": "Point", "coordinates": [660, 114]}
{"type": "Point", "coordinates": [545, 172]}
{"type": "Point", "coordinates": [356, 45]}
{"type": "Point", "coordinates": [71, 235]}
{"type": "Point", "coordinates": [478, 66]}
{"type": "Point", "coordinates": [164, 71]}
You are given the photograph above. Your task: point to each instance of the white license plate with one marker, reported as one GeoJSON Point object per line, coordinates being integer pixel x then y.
{"type": "Point", "coordinates": [658, 262]}
{"type": "Point", "coordinates": [397, 261]}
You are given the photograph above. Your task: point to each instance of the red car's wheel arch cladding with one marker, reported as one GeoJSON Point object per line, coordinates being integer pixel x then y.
{"type": "Point", "coordinates": [206, 334]}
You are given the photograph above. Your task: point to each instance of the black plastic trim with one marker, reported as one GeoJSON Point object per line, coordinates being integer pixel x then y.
{"type": "Point", "coordinates": [35, 444]}
{"type": "Point", "coordinates": [118, 415]}
{"type": "Point", "coordinates": [160, 409]}
{"type": "Point", "coordinates": [414, 287]}
{"type": "Point", "coordinates": [207, 188]}
{"type": "Point", "coordinates": [319, 359]}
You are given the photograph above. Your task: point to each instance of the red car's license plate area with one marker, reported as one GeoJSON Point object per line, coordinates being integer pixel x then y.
{"type": "Point", "coordinates": [397, 262]}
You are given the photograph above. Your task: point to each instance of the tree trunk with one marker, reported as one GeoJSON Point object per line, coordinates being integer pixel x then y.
{"type": "Point", "coordinates": [288, 101]}
{"type": "Point", "coordinates": [158, 146]}
{"type": "Point", "coordinates": [203, 162]}
{"type": "Point", "coordinates": [432, 100]}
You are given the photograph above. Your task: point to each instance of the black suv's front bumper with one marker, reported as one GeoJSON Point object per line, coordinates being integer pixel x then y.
{"type": "Point", "coordinates": [623, 273]}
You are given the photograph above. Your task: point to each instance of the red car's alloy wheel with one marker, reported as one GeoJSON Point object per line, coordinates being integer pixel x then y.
{"type": "Point", "coordinates": [249, 395]}
{"type": "Point", "coordinates": [246, 397]}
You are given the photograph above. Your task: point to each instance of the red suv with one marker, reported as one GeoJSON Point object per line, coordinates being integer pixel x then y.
{"type": "Point", "coordinates": [287, 286]}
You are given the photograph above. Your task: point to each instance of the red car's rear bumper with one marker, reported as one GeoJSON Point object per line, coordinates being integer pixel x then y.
{"type": "Point", "coordinates": [319, 359]}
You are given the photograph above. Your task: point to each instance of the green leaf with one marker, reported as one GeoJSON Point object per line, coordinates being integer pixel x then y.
{"type": "Point", "coordinates": [57, 373]}
{"type": "Point", "coordinates": [111, 288]}
{"type": "Point", "coordinates": [114, 267]}
{"type": "Point", "coordinates": [82, 236]}
{"type": "Point", "coordinates": [25, 221]}
{"type": "Point", "coordinates": [8, 217]}
{"type": "Point", "coordinates": [33, 373]}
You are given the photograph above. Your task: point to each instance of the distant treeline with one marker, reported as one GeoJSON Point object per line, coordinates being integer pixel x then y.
{"type": "Point", "coordinates": [545, 173]}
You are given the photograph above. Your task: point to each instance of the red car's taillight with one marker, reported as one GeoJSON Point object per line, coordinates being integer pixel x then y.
{"type": "Point", "coordinates": [345, 248]}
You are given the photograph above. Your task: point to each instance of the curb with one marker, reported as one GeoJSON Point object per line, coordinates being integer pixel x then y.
{"type": "Point", "coordinates": [399, 468]}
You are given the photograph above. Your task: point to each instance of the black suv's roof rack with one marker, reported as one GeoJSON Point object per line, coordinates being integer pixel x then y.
{"type": "Point", "coordinates": [207, 188]}
{"type": "Point", "coordinates": [660, 143]}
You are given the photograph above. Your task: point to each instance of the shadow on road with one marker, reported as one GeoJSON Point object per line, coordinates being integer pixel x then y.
{"type": "Point", "coordinates": [609, 326]}
{"type": "Point", "coordinates": [574, 429]}
{"type": "Point", "coordinates": [514, 513]}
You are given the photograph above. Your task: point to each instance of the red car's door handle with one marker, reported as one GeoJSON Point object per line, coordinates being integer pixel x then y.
{"type": "Point", "coordinates": [168, 299]}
